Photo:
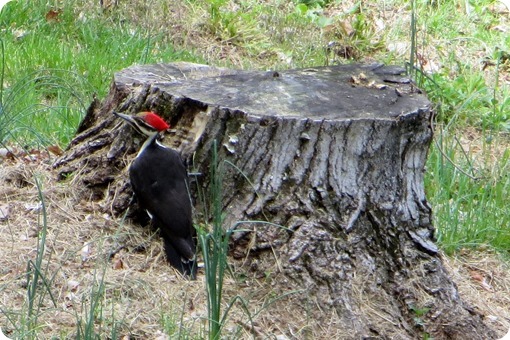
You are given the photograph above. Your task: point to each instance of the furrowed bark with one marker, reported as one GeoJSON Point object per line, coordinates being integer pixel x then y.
{"type": "Point", "coordinates": [323, 181]}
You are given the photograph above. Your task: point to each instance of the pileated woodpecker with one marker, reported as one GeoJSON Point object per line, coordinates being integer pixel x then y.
{"type": "Point", "coordinates": [160, 183]}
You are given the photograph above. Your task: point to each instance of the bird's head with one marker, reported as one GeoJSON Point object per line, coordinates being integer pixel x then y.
{"type": "Point", "coordinates": [146, 123]}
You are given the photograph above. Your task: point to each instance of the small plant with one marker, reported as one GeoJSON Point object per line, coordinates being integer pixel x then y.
{"type": "Point", "coordinates": [419, 313]}
{"type": "Point", "coordinates": [214, 246]}
{"type": "Point", "coordinates": [38, 281]}
{"type": "Point", "coordinates": [93, 310]}
{"type": "Point", "coordinates": [173, 325]}
{"type": "Point", "coordinates": [217, 18]}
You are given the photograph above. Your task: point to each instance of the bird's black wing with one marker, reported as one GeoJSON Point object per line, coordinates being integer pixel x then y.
{"type": "Point", "coordinates": [160, 182]}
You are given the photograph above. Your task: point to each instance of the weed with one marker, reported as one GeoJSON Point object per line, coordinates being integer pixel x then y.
{"type": "Point", "coordinates": [468, 204]}
{"type": "Point", "coordinates": [214, 247]}
{"type": "Point", "coordinates": [86, 327]}
{"type": "Point", "coordinates": [38, 281]}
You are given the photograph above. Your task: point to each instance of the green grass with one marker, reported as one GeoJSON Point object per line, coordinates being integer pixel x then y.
{"type": "Point", "coordinates": [469, 193]}
{"type": "Point", "coordinates": [469, 197]}
{"type": "Point", "coordinates": [52, 69]}
{"type": "Point", "coordinates": [214, 244]}
{"type": "Point", "coordinates": [38, 279]}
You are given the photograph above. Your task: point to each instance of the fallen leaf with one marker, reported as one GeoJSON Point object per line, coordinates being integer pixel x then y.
{"type": "Point", "coordinates": [52, 15]}
{"type": "Point", "coordinates": [55, 149]}
{"type": "Point", "coordinates": [500, 28]}
{"type": "Point", "coordinates": [72, 285]}
{"type": "Point", "coordinates": [108, 3]}
{"type": "Point", "coordinates": [69, 298]}
{"type": "Point", "coordinates": [161, 336]}
{"type": "Point", "coordinates": [117, 262]}
{"type": "Point", "coordinates": [33, 206]}
{"type": "Point", "coordinates": [346, 28]}
{"type": "Point", "coordinates": [427, 65]}
{"type": "Point", "coordinates": [6, 153]}
{"type": "Point", "coordinates": [476, 276]}
{"type": "Point", "coordinates": [400, 48]}
{"type": "Point", "coordinates": [487, 286]}
{"type": "Point", "coordinates": [2, 336]}
{"type": "Point", "coordinates": [19, 33]}
{"type": "Point", "coordinates": [85, 252]}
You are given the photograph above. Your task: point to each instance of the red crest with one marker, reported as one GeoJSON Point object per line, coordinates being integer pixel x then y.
{"type": "Point", "coordinates": [155, 121]}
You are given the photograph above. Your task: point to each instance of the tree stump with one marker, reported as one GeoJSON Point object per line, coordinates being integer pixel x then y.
{"type": "Point", "coordinates": [335, 155]}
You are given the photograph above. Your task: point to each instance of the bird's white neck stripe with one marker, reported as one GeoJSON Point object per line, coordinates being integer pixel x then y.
{"type": "Point", "coordinates": [159, 144]}
{"type": "Point", "coordinates": [147, 143]}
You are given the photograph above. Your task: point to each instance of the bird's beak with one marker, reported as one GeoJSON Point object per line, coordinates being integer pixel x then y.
{"type": "Point", "coordinates": [138, 124]}
{"type": "Point", "coordinates": [127, 118]}
{"type": "Point", "coordinates": [130, 120]}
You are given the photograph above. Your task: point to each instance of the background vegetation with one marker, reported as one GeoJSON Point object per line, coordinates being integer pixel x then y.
{"type": "Point", "coordinates": [58, 54]}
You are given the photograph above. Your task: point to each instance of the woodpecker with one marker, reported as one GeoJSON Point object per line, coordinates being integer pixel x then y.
{"type": "Point", "coordinates": [160, 183]}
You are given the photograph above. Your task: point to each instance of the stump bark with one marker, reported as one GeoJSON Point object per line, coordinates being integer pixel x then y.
{"type": "Point", "coordinates": [334, 155]}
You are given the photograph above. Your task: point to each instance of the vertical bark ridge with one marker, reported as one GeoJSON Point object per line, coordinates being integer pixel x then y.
{"type": "Point", "coordinates": [339, 165]}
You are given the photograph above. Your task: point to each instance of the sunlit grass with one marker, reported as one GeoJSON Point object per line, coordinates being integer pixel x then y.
{"type": "Point", "coordinates": [469, 195]}
{"type": "Point", "coordinates": [52, 68]}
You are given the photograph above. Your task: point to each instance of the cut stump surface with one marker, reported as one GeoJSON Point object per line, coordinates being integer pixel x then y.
{"type": "Point", "coordinates": [333, 157]}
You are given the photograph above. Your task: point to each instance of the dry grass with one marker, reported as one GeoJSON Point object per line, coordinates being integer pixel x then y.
{"type": "Point", "coordinates": [144, 296]}
{"type": "Point", "coordinates": [481, 150]}
{"type": "Point", "coordinates": [142, 292]}
{"type": "Point", "coordinates": [139, 286]}
{"type": "Point", "coordinates": [483, 280]}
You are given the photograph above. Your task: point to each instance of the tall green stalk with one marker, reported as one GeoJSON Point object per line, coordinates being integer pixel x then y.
{"type": "Point", "coordinates": [33, 268]}
{"type": "Point", "coordinates": [35, 274]}
{"type": "Point", "coordinates": [412, 55]}
{"type": "Point", "coordinates": [214, 246]}
{"type": "Point", "coordinates": [85, 326]}
{"type": "Point", "coordinates": [2, 73]}
{"type": "Point", "coordinates": [2, 69]}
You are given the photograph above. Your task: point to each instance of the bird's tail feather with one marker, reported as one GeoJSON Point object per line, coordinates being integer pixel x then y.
{"type": "Point", "coordinates": [186, 267]}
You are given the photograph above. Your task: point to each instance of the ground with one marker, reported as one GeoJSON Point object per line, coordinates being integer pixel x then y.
{"type": "Point", "coordinates": [148, 298]}
{"type": "Point", "coordinates": [95, 260]}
